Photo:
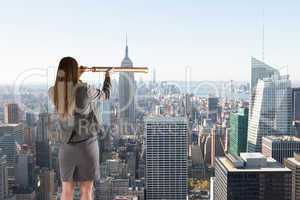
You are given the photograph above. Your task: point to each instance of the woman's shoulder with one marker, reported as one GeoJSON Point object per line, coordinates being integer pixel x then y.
{"type": "Point", "coordinates": [82, 84]}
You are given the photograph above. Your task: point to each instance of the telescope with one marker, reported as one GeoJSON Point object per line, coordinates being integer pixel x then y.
{"type": "Point", "coordinates": [115, 69]}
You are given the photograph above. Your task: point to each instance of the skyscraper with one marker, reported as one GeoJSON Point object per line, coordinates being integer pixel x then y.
{"type": "Point", "coordinates": [251, 176]}
{"type": "Point", "coordinates": [259, 71]}
{"type": "Point", "coordinates": [218, 134]}
{"type": "Point", "coordinates": [106, 113]}
{"type": "Point", "coordinates": [47, 184]}
{"type": "Point", "coordinates": [271, 111]}
{"type": "Point", "coordinates": [43, 154]}
{"type": "Point", "coordinates": [238, 131]}
{"type": "Point", "coordinates": [42, 126]}
{"type": "Point", "coordinates": [126, 96]}
{"type": "Point", "coordinates": [25, 194]}
{"type": "Point", "coordinates": [293, 164]}
{"type": "Point", "coordinates": [11, 113]}
{"type": "Point", "coordinates": [9, 148]}
{"type": "Point", "coordinates": [15, 130]}
{"type": "Point", "coordinates": [24, 170]}
{"type": "Point", "coordinates": [166, 147]}
{"type": "Point", "coordinates": [212, 108]}
{"type": "Point", "coordinates": [296, 109]}
{"type": "Point", "coordinates": [103, 189]}
{"type": "Point", "coordinates": [3, 176]}
{"type": "Point", "coordinates": [280, 147]}
{"type": "Point", "coordinates": [30, 119]}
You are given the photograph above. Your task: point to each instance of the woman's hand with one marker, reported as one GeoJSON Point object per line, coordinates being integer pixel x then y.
{"type": "Point", "coordinates": [109, 72]}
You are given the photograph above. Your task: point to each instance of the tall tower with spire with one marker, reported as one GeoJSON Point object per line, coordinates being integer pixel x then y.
{"type": "Point", "coordinates": [127, 97]}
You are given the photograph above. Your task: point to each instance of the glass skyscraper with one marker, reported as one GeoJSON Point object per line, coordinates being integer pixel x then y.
{"type": "Point", "coordinates": [259, 71]}
{"type": "Point", "coordinates": [238, 131]}
{"type": "Point", "coordinates": [271, 111]}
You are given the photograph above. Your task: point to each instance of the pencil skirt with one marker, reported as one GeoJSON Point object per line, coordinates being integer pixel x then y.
{"type": "Point", "coordinates": [79, 162]}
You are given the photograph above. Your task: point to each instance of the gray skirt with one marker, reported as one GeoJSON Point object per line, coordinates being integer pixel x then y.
{"type": "Point", "coordinates": [79, 161]}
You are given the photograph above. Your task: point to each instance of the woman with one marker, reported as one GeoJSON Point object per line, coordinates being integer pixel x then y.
{"type": "Point", "coordinates": [75, 105]}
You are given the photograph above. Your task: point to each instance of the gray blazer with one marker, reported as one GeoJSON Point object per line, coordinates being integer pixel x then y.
{"type": "Point", "coordinates": [84, 122]}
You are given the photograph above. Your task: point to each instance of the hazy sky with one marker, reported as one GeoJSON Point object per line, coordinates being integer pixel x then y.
{"type": "Point", "coordinates": [215, 38]}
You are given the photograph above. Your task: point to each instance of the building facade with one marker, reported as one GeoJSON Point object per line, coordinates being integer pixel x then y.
{"type": "Point", "coordinates": [126, 97]}
{"type": "Point", "coordinates": [218, 137]}
{"type": "Point", "coordinates": [11, 113]}
{"type": "Point", "coordinates": [15, 130]}
{"type": "Point", "coordinates": [212, 108]}
{"type": "Point", "coordinates": [251, 176]}
{"type": "Point", "coordinates": [280, 147]}
{"type": "Point", "coordinates": [296, 110]}
{"type": "Point", "coordinates": [271, 112]}
{"type": "Point", "coordinates": [238, 131]}
{"type": "Point", "coordinates": [294, 165]}
{"type": "Point", "coordinates": [166, 147]}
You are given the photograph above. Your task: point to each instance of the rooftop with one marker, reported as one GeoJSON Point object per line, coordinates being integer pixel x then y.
{"type": "Point", "coordinates": [9, 125]}
{"type": "Point", "coordinates": [282, 138]}
{"type": "Point", "coordinates": [165, 119]}
{"type": "Point", "coordinates": [252, 162]}
{"type": "Point", "coordinates": [295, 159]}
{"type": "Point", "coordinates": [246, 156]}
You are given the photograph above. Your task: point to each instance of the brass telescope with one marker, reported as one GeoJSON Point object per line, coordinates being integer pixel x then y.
{"type": "Point", "coordinates": [115, 69]}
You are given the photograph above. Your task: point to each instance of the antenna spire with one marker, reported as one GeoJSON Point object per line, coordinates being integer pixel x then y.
{"type": "Point", "coordinates": [126, 50]}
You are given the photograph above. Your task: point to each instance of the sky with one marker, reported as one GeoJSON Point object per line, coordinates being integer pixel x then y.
{"type": "Point", "coordinates": [216, 39]}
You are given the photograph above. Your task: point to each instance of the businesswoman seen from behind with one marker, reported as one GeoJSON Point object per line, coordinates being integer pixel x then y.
{"type": "Point", "coordinates": [78, 127]}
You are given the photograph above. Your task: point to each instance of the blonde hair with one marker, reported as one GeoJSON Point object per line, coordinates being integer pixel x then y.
{"type": "Point", "coordinates": [66, 80]}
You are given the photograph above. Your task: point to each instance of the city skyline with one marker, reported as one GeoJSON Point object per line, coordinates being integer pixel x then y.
{"type": "Point", "coordinates": [164, 35]}
{"type": "Point", "coordinates": [214, 116]}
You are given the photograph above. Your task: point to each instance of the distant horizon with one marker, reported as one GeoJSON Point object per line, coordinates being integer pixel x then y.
{"type": "Point", "coordinates": [295, 83]}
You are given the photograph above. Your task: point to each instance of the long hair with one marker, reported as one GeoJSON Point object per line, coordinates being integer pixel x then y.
{"type": "Point", "coordinates": [66, 79]}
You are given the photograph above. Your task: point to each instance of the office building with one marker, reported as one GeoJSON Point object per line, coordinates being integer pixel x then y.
{"type": "Point", "coordinates": [251, 176]}
{"type": "Point", "coordinates": [238, 131]}
{"type": "Point", "coordinates": [25, 194]}
{"type": "Point", "coordinates": [114, 167]}
{"type": "Point", "coordinates": [217, 142]}
{"type": "Point", "coordinates": [8, 145]}
{"type": "Point", "coordinates": [24, 170]}
{"type": "Point", "coordinates": [126, 97]}
{"type": "Point", "coordinates": [293, 164]}
{"type": "Point", "coordinates": [15, 130]}
{"type": "Point", "coordinates": [271, 112]}
{"type": "Point", "coordinates": [106, 113]}
{"type": "Point", "coordinates": [119, 187]}
{"type": "Point", "coordinates": [103, 189]}
{"type": "Point", "coordinates": [212, 108]}
{"type": "Point", "coordinates": [42, 126]}
{"type": "Point", "coordinates": [29, 133]}
{"type": "Point", "coordinates": [11, 113]}
{"type": "Point", "coordinates": [296, 110]}
{"type": "Point", "coordinates": [166, 147]}
{"type": "Point", "coordinates": [43, 154]}
{"type": "Point", "coordinates": [9, 148]}
{"type": "Point", "coordinates": [30, 119]}
{"type": "Point", "coordinates": [259, 71]}
{"type": "Point", "coordinates": [280, 147]}
{"type": "Point", "coordinates": [3, 176]}
{"type": "Point", "coordinates": [47, 186]}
